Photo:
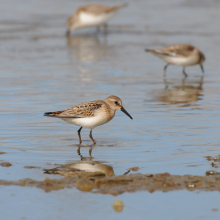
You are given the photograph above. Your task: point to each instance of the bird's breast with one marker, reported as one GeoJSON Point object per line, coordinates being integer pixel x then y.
{"type": "Point", "coordinates": [180, 60]}
{"type": "Point", "coordinates": [90, 122]}
{"type": "Point", "coordinates": [88, 19]}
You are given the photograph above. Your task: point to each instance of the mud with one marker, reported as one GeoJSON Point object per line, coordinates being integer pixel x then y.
{"type": "Point", "coordinates": [5, 164]}
{"type": "Point", "coordinates": [31, 167]}
{"type": "Point", "coordinates": [115, 185]}
{"type": "Point", "coordinates": [215, 159]}
{"type": "Point", "coordinates": [2, 152]}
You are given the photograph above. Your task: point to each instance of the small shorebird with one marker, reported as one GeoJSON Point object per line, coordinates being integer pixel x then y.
{"type": "Point", "coordinates": [92, 16]}
{"type": "Point", "coordinates": [90, 114]}
{"type": "Point", "coordinates": [181, 55]}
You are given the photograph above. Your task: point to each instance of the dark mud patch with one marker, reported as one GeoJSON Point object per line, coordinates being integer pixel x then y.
{"type": "Point", "coordinates": [5, 164]}
{"type": "Point", "coordinates": [116, 185]}
{"type": "Point", "coordinates": [31, 167]}
{"type": "Point", "coordinates": [215, 159]}
{"type": "Point", "coordinates": [1, 152]}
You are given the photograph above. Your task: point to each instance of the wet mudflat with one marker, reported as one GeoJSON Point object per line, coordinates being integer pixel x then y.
{"type": "Point", "coordinates": [174, 135]}
{"type": "Point", "coordinates": [97, 182]}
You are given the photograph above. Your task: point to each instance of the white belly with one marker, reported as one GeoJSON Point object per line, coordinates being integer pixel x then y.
{"type": "Point", "coordinates": [180, 61]}
{"type": "Point", "coordinates": [87, 122]}
{"type": "Point", "coordinates": [87, 19]}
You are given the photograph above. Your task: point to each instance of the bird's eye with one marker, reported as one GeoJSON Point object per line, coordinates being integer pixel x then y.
{"type": "Point", "coordinates": [116, 103]}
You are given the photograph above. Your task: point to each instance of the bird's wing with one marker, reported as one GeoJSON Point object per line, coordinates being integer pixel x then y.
{"type": "Point", "coordinates": [182, 50]}
{"type": "Point", "coordinates": [99, 9]}
{"type": "Point", "coordinates": [84, 110]}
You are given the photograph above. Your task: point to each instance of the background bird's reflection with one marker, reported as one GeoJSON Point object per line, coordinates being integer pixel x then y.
{"type": "Point", "coordinates": [184, 91]}
{"type": "Point", "coordinates": [88, 48]}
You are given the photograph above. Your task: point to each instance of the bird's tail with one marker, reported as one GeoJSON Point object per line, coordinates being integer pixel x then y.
{"type": "Point", "coordinates": [158, 52]}
{"type": "Point", "coordinates": [149, 50]}
{"type": "Point", "coordinates": [52, 114]}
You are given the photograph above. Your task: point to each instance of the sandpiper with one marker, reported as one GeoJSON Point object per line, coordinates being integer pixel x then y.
{"type": "Point", "coordinates": [90, 114]}
{"type": "Point", "coordinates": [181, 55]}
{"type": "Point", "coordinates": [94, 15]}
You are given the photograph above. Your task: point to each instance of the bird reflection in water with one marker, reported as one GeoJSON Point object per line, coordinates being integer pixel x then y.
{"type": "Point", "coordinates": [81, 156]}
{"type": "Point", "coordinates": [86, 167]}
{"type": "Point", "coordinates": [188, 91]}
{"type": "Point", "coordinates": [88, 48]}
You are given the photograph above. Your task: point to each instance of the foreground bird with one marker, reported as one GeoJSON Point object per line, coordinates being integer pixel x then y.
{"type": "Point", "coordinates": [92, 16]}
{"type": "Point", "coordinates": [90, 114]}
{"type": "Point", "coordinates": [181, 55]}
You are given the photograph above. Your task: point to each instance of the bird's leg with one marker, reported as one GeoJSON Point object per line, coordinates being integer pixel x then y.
{"type": "Point", "coordinates": [183, 83]}
{"type": "Point", "coordinates": [80, 141]}
{"type": "Point", "coordinates": [90, 135]}
{"type": "Point", "coordinates": [165, 83]}
{"type": "Point", "coordinates": [78, 151]}
{"type": "Point", "coordinates": [164, 69]}
{"type": "Point", "coordinates": [202, 68]}
{"type": "Point", "coordinates": [201, 82]}
{"type": "Point", "coordinates": [184, 72]}
{"type": "Point", "coordinates": [105, 28]}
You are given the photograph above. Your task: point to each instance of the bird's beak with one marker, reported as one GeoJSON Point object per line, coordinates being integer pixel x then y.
{"type": "Point", "coordinates": [123, 110]}
{"type": "Point", "coordinates": [202, 68]}
{"type": "Point", "coordinates": [68, 32]}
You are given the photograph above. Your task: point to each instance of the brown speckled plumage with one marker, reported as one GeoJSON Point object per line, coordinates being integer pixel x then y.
{"type": "Point", "coordinates": [84, 110]}
{"type": "Point", "coordinates": [98, 9]}
{"type": "Point", "coordinates": [183, 50]}
{"type": "Point", "coordinates": [179, 49]}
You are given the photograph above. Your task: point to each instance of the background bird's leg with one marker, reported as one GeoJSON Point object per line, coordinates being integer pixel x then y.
{"type": "Point", "coordinates": [165, 69]}
{"type": "Point", "coordinates": [201, 82]}
{"type": "Point", "coordinates": [202, 68]}
{"type": "Point", "coordinates": [183, 83]}
{"type": "Point", "coordinates": [90, 135]}
{"type": "Point", "coordinates": [184, 72]}
{"type": "Point", "coordinates": [80, 141]}
{"type": "Point", "coordinates": [165, 83]}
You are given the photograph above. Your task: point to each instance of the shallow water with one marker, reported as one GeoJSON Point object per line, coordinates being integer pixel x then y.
{"type": "Point", "coordinates": [176, 122]}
